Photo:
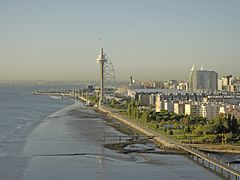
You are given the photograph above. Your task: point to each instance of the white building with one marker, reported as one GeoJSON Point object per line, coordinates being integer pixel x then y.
{"type": "Point", "coordinates": [179, 108]}
{"type": "Point", "coordinates": [227, 83]}
{"type": "Point", "coordinates": [223, 110]}
{"type": "Point", "coordinates": [152, 99]}
{"type": "Point", "coordinates": [159, 103]}
{"type": "Point", "coordinates": [192, 109]}
{"type": "Point", "coordinates": [209, 110]}
{"type": "Point", "coordinates": [220, 84]}
{"type": "Point", "coordinates": [168, 106]}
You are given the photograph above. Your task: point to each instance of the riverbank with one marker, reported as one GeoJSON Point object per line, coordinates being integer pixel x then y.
{"type": "Point", "coordinates": [168, 143]}
{"type": "Point", "coordinates": [134, 142]}
{"type": "Point", "coordinates": [69, 144]}
{"type": "Point", "coordinates": [161, 139]}
{"type": "Point", "coordinates": [156, 137]}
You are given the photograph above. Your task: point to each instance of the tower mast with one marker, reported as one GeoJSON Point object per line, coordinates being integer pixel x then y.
{"type": "Point", "coordinates": [101, 60]}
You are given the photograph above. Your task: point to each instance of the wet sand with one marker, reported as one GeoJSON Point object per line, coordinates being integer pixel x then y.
{"type": "Point", "coordinates": [69, 144]}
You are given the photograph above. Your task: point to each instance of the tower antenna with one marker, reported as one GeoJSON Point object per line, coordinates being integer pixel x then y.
{"type": "Point", "coordinates": [100, 41]}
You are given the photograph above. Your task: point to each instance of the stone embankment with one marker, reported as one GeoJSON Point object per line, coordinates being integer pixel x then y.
{"type": "Point", "coordinates": [158, 138]}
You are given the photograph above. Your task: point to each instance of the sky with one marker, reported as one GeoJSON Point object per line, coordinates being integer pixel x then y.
{"type": "Point", "coordinates": [149, 39]}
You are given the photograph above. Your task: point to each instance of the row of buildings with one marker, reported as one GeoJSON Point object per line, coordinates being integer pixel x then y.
{"type": "Point", "coordinates": [207, 110]}
{"type": "Point", "coordinates": [200, 81]}
{"type": "Point", "coordinates": [229, 84]}
{"type": "Point", "coordinates": [182, 102]}
{"type": "Point", "coordinates": [194, 108]}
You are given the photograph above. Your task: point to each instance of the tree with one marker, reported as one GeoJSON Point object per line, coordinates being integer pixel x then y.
{"type": "Point", "coordinates": [186, 121]}
{"type": "Point", "coordinates": [145, 117]}
{"type": "Point", "coordinates": [161, 124]}
{"type": "Point", "coordinates": [233, 124]}
{"type": "Point", "coordinates": [187, 129]}
{"type": "Point", "coordinates": [209, 129]}
{"type": "Point", "coordinates": [176, 125]}
{"type": "Point", "coordinates": [158, 118]}
{"type": "Point", "coordinates": [153, 115]}
{"type": "Point", "coordinates": [169, 132]}
{"type": "Point", "coordinates": [137, 113]}
{"type": "Point", "coordinates": [218, 124]}
{"type": "Point", "coordinates": [238, 121]}
{"type": "Point", "coordinates": [228, 137]}
{"type": "Point", "coordinates": [199, 130]}
{"type": "Point", "coordinates": [113, 102]}
{"type": "Point", "coordinates": [129, 110]}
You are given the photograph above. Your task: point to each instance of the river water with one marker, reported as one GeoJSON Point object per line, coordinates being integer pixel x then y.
{"type": "Point", "coordinates": [48, 138]}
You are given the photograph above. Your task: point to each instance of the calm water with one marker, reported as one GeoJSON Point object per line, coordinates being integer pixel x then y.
{"type": "Point", "coordinates": [48, 138]}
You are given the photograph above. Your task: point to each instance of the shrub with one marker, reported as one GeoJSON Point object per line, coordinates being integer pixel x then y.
{"type": "Point", "coordinates": [169, 132]}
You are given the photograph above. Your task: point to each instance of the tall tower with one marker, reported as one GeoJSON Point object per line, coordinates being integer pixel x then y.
{"type": "Point", "coordinates": [191, 79]}
{"type": "Point", "coordinates": [101, 60]}
{"type": "Point", "coordinates": [130, 81]}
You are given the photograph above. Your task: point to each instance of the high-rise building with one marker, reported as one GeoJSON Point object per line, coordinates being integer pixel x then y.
{"type": "Point", "coordinates": [130, 81]}
{"type": "Point", "coordinates": [220, 84]}
{"type": "Point", "coordinates": [159, 103]}
{"type": "Point", "coordinates": [203, 80]}
{"type": "Point", "coordinates": [152, 99]}
{"type": "Point", "coordinates": [179, 107]}
{"type": "Point", "coordinates": [237, 84]}
{"type": "Point", "coordinates": [192, 109]}
{"type": "Point", "coordinates": [209, 110]}
{"type": "Point", "coordinates": [143, 99]}
{"type": "Point", "coordinates": [168, 106]}
{"type": "Point", "coordinates": [227, 83]}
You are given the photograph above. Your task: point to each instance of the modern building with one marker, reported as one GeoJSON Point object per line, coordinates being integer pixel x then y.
{"type": "Point", "coordinates": [192, 109]}
{"type": "Point", "coordinates": [179, 107]}
{"type": "Point", "coordinates": [159, 103]}
{"type": "Point", "coordinates": [227, 83]}
{"type": "Point", "coordinates": [237, 84]}
{"type": "Point", "coordinates": [220, 84]}
{"type": "Point", "coordinates": [143, 99]}
{"type": "Point", "coordinates": [152, 99]}
{"type": "Point", "coordinates": [183, 86]}
{"type": "Point", "coordinates": [168, 106]}
{"type": "Point", "coordinates": [209, 110]}
{"type": "Point", "coordinates": [203, 80]}
{"type": "Point", "coordinates": [130, 81]}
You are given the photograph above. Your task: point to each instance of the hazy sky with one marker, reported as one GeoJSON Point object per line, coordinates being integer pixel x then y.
{"type": "Point", "coordinates": [150, 39]}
